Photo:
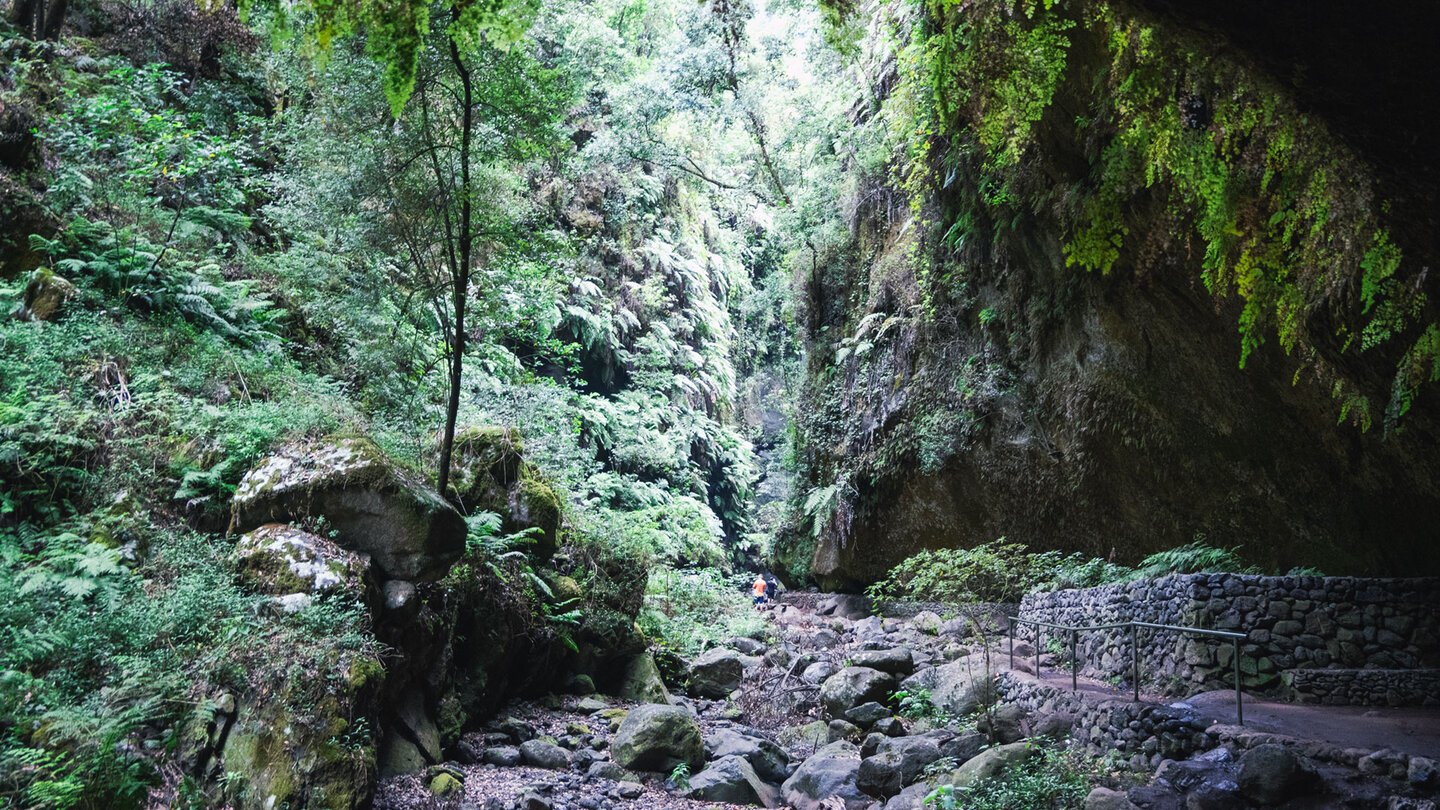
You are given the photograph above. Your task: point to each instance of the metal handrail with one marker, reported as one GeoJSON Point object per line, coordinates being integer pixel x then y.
{"type": "Point", "coordinates": [1134, 650]}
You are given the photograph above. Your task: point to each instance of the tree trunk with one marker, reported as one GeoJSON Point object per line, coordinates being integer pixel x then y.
{"type": "Point", "coordinates": [54, 18]}
{"type": "Point", "coordinates": [38, 19]}
{"type": "Point", "coordinates": [461, 275]}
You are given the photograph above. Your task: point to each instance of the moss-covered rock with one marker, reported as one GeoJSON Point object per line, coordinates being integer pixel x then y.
{"type": "Point", "coordinates": [122, 525]}
{"type": "Point", "coordinates": [285, 747]}
{"type": "Point", "coordinates": [371, 504]}
{"type": "Point", "coordinates": [280, 559]}
{"type": "Point", "coordinates": [483, 454]}
{"type": "Point", "coordinates": [45, 295]}
{"type": "Point", "coordinates": [642, 682]}
{"type": "Point", "coordinates": [490, 474]}
{"type": "Point", "coordinates": [1137, 289]}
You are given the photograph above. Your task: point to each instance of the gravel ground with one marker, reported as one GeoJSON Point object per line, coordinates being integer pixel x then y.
{"type": "Point", "coordinates": [491, 788]}
{"type": "Point", "coordinates": [487, 787]}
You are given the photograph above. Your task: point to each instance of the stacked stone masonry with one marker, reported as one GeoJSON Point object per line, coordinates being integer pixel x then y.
{"type": "Point", "coordinates": [1292, 624]}
{"type": "Point", "coordinates": [1145, 734]}
{"type": "Point", "coordinates": [1364, 687]}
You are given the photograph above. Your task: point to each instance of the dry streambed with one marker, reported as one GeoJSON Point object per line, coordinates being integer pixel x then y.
{"type": "Point", "coordinates": [807, 721]}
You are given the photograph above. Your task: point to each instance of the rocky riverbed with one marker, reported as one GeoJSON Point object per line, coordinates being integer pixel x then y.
{"type": "Point", "coordinates": [805, 717]}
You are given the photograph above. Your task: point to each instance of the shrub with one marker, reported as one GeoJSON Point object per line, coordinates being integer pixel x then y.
{"type": "Point", "coordinates": [688, 611]}
{"type": "Point", "coordinates": [1195, 557]}
{"type": "Point", "coordinates": [1050, 781]}
{"type": "Point", "coordinates": [991, 572]}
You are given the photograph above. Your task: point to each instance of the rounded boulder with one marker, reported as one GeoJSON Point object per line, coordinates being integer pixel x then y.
{"type": "Point", "coordinates": [853, 686]}
{"type": "Point", "coordinates": [656, 737]}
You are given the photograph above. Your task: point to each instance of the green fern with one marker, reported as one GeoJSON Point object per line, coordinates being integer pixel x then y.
{"type": "Point", "coordinates": [1194, 557]}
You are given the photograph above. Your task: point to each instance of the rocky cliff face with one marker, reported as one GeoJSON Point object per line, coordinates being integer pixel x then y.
{"type": "Point", "coordinates": [1117, 286]}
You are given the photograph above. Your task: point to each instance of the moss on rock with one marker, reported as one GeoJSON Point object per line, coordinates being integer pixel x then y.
{"type": "Point", "coordinates": [372, 504]}
{"type": "Point", "coordinates": [45, 295]}
{"type": "Point", "coordinates": [280, 559]}
{"type": "Point", "coordinates": [489, 474]}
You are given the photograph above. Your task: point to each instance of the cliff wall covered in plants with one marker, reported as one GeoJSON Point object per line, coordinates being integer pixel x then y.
{"type": "Point", "coordinates": [1112, 282]}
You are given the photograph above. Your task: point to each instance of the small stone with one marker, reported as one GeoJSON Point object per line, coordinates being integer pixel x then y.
{"type": "Point", "coordinates": [541, 754]}
{"type": "Point", "coordinates": [1105, 799]}
{"type": "Point", "coordinates": [445, 784]}
{"type": "Point", "coordinates": [889, 726]}
{"type": "Point", "coordinates": [866, 714]}
{"type": "Point", "coordinates": [1421, 772]}
{"type": "Point", "coordinates": [842, 730]}
{"type": "Point", "coordinates": [591, 705]}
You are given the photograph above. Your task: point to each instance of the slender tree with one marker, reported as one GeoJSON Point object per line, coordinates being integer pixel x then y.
{"type": "Point", "coordinates": [468, 103]}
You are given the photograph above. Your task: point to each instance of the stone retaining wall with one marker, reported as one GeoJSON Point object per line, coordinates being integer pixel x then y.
{"type": "Point", "coordinates": [1363, 687]}
{"type": "Point", "coordinates": [1144, 734]}
{"type": "Point", "coordinates": [1290, 622]}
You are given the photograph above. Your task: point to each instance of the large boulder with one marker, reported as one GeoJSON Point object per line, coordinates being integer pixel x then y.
{"type": "Point", "coordinates": [768, 759]}
{"type": "Point", "coordinates": [642, 682]}
{"type": "Point", "coordinates": [964, 747]}
{"type": "Point", "coordinates": [489, 473]}
{"type": "Point", "coordinates": [911, 798]}
{"type": "Point", "coordinates": [1005, 723]}
{"type": "Point", "coordinates": [732, 779]}
{"type": "Point", "coordinates": [277, 747]}
{"type": "Point", "coordinates": [371, 505]}
{"type": "Point", "coordinates": [657, 737]}
{"type": "Point", "coordinates": [991, 763]}
{"type": "Point", "coordinates": [280, 559]}
{"type": "Point", "coordinates": [412, 740]}
{"type": "Point", "coordinates": [898, 762]}
{"type": "Point", "coordinates": [1270, 774]}
{"type": "Point", "coordinates": [896, 661]}
{"type": "Point", "coordinates": [843, 605]}
{"type": "Point", "coordinates": [959, 687]}
{"type": "Point", "coordinates": [853, 686]}
{"type": "Point", "coordinates": [717, 672]}
{"type": "Point", "coordinates": [829, 773]}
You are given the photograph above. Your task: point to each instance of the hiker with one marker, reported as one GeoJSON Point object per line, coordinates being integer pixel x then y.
{"type": "Point", "coordinates": [771, 586]}
{"type": "Point", "coordinates": [759, 589]}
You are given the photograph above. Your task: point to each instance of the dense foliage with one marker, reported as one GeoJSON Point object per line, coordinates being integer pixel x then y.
{"type": "Point", "coordinates": [256, 244]}
{"type": "Point", "coordinates": [224, 230]}
{"type": "Point", "coordinates": [1001, 571]}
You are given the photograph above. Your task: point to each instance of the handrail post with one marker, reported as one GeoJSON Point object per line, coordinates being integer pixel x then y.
{"type": "Point", "coordinates": [1239, 707]}
{"type": "Point", "coordinates": [1074, 660]}
{"type": "Point", "coordinates": [1012, 644]}
{"type": "Point", "coordinates": [1135, 658]}
{"type": "Point", "coordinates": [1037, 652]}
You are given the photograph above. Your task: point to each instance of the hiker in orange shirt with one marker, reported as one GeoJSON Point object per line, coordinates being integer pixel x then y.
{"type": "Point", "coordinates": [759, 589]}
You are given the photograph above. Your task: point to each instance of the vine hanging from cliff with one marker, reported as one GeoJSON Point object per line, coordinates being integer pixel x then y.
{"type": "Point", "coordinates": [1282, 215]}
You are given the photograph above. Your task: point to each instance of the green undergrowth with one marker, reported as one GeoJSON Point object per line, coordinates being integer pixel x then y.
{"type": "Point", "coordinates": [691, 610]}
{"type": "Point", "coordinates": [1001, 571]}
{"type": "Point", "coordinates": [1049, 780]}
{"type": "Point", "coordinates": [108, 662]}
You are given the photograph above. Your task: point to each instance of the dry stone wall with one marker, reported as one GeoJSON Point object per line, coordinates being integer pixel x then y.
{"type": "Point", "coordinates": [1291, 624]}
{"type": "Point", "coordinates": [1364, 687]}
